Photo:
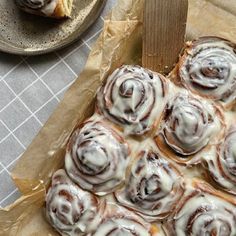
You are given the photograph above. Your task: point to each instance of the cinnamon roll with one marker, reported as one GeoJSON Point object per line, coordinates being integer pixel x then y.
{"type": "Point", "coordinates": [97, 157]}
{"type": "Point", "coordinates": [203, 212]}
{"type": "Point", "coordinates": [153, 188]}
{"type": "Point", "coordinates": [189, 124]}
{"type": "Point", "coordinates": [48, 8]}
{"type": "Point", "coordinates": [133, 97]}
{"type": "Point", "coordinates": [118, 221]}
{"type": "Point", "coordinates": [71, 210]}
{"type": "Point", "coordinates": [208, 67]}
{"type": "Point", "coordinates": [221, 162]}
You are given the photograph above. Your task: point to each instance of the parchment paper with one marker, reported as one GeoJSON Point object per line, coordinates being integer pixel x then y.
{"type": "Point", "coordinates": [119, 43]}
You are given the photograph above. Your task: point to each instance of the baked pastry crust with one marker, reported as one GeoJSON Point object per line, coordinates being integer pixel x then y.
{"type": "Point", "coordinates": [133, 98]}
{"type": "Point", "coordinates": [220, 162]}
{"type": "Point", "coordinates": [203, 211]}
{"type": "Point", "coordinates": [153, 186]}
{"type": "Point", "coordinates": [48, 8]}
{"type": "Point", "coordinates": [208, 68]}
{"type": "Point", "coordinates": [160, 154]}
{"type": "Point", "coordinates": [97, 157]}
{"type": "Point", "coordinates": [119, 221]}
{"type": "Point", "coordinates": [188, 128]}
{"type": "Point", "coordinates": [70, 209]}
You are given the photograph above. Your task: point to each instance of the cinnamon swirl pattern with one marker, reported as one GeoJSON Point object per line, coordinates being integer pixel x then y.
{"type": "Point", "coordinates": [221, 162]}
{"type": "Point", "coordinates": [71, 210]}
{"type": "Point", "coordinates": [153, 188]}
{"type": "Point", "coordinates": [204, 212]}
{"type": "Point", "coordinates": [34, 4]}
{"type": "Point", "coordinates": [97, 158]}
{"type": "Point", "coordinates": [208, 67]}
{"type": "Point", "coordinates": [133, 98]}
{"type": "Point", "coordinates": [119, 222]}
{"type": "Point", "coordinates": [188, 126]}
{"type": "Point", "coordinates": [49, 8]}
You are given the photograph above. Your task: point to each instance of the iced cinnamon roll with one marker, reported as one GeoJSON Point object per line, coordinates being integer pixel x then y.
{"type": "Point", "coordinates": [97, 157]}
{"type": "Point", "coordinates": [208, 68]}
{"type": "Point", "coordinates": [220, 162]}
{"type": "Point", "coordinates": [71, 210]}
{"type": "Point", "coordinates": [203, 212]}
{"type": "Point", "coordinates": [133, 98]}
{"type": "Point", "coordinates": [189, 124]}
{"type": "Point", "coordinates": [48, 8]}
{"type": "Point", "coordinates": [153, 188]}
{"type": "Point", "coordinates": [118, 221]}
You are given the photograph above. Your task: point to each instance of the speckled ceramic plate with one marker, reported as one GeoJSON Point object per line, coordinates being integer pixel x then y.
{"type": "Point", "coordinates": [26, 34]}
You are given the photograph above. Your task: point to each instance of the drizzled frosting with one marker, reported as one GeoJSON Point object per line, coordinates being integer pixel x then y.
{"type": "Point", "coordinates": [221, 162]}
{"type": "Point", "coordinates": [97, 158]}
{"type": "Point", "coordinates": [208, 67]}
{"type": "Point", "coordinates": [133, 97]}
{"type": "Point", "coordinates": [189, 124]}
{"type": "Point", "coordinates": [203, 212]}
{"type": "Point", "coordinates": [33, 4]}
{"type": "Point", "coordinates": [71, 210]}
{"type": "Point", "coordinates": [153, 187]}
{"type": "Point", "coordinates": [118, 221]}
{"type": "Point", "coordinates": [46, 7]}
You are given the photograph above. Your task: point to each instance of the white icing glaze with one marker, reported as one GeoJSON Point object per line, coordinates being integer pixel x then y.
{"type": "Point", "coordinates": [117, 147]}
{"type": "Point", "coordinates": [120, 222]}
{"type": "Point", "coordinates": [210, 69]}
{"type": "Point", "coordinates": [191, 171]}
{"type": "Point", "coordinates": [230, 118]}
{"type": "Point", "coordinates": [221, 162]}
{"type": "Point", "coordinates": [97, 158]}
{"type": "Point", "coordinates": [71, 210]}
{"type": "Point", "coordinates": [32, 4]}
{"type": "Point", "coordinates": [134, 98]}
{"type": "Point", "coordinates": [120, 227]}
{"type": "Point", "coordinates": [189, 123]}
{"type": "Point", "coordinates": [202, 214]}
{"type": "Point", "coordinates": [49, 9]}
{"type": "Point", "coordinates": [153, 187]}
{"type": "Point", "coordinates": [46, 7]}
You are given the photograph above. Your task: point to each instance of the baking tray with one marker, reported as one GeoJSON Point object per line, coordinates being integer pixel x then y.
{"type": "Point", "coordinates": [26, 34]}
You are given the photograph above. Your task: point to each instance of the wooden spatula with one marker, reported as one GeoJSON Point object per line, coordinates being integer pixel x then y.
{"type": "Point", "coordinates": [164, 33]}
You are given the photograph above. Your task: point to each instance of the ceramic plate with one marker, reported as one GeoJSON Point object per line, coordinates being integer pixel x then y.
{"type": "Point", "coordinates": [26, 34]}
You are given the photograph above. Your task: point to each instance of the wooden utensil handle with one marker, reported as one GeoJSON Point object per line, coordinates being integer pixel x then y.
{"type": "Point", "coordinates": [163, 33]}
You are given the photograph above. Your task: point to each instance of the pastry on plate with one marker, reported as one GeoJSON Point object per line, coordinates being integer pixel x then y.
{"type": "Point", "coordinates": [49, 8]}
